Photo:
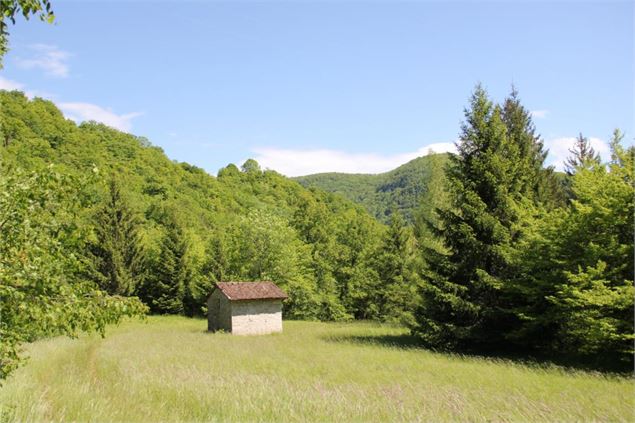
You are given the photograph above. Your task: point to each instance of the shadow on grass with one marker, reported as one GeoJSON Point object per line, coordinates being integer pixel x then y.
{"type": "Point", "coordinates": [607, 367]}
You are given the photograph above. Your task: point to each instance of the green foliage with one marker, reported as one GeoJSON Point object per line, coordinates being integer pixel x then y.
{"type": "Point", "coordinates": [243, 225]}
{"type": "Point", "coordinates": [10, 9]}
{"type": "Point", "coordinates": [575, 265]}
{"type": "Point", "coordinates": [531, 178]}
{"type": "Point", "coordinates": [495, 257]}
{"type": "Point", "coordinates": [436, 197]}
{"type": "Point", "coordinates": [598, 312]}
{"type": "Point", "coordinates": [42, 291]}
{"type": "Point", "coordinates": [164, 290]}
{"type": "Point", "coordinates": [116, 253]}
{"type": "Point", "coordinates": [499, 163]}
{"type": "Point", "coordinates": [460, 283]}
{"type": "Point", "coordinates": [400, 189]}
{"type": "Point", "coordinates": [518, 267]}
{"type": "Point", "coordinates": [343, 245]}
{"type": "Point", "coordinates": [397, 266]}
{"type": "Point", "coordinates": [262, 246]}
{"type": "Point", "coordinates": [251, 166]}
{"type": "Point", "coordinates": [582, 155]}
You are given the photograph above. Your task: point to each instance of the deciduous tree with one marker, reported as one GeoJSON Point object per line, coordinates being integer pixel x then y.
{"type": "Point", "coordinates": [10, 9]}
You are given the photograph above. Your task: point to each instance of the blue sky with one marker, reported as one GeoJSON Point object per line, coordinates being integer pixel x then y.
{"type": "Point", "coordinates": [308, 87]}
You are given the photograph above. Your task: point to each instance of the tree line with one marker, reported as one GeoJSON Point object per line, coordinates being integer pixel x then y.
{"type": "Point", "coordinates": [132, 231]}
{"type": "Point", "coordinates": [525, 261]}
{"type": "Point", "coordinates": [504, 252]}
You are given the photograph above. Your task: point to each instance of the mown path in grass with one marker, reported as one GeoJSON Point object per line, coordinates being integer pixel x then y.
{"type": "Point", "coordinates": [170, 369]}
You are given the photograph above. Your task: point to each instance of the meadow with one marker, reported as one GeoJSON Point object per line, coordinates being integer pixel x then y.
{"type": "Point", "coordinates": [171, 369]}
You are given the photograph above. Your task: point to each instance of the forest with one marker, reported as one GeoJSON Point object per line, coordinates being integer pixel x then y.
{"type": "Point", "coordinates": [501, 253]}
{"type": "Point", "coordinates": [381, 194]}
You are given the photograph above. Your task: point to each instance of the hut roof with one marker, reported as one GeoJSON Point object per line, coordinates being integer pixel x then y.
{"type": "Point", "coordinates": [237, 291]}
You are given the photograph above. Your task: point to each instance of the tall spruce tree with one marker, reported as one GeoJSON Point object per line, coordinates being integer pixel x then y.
{"type": "Point", "coordinates": [397, 269]}
{"type": "Point", "coordinates": [116, 254]}
{"type": "Point", "coordinates": [170, 274]}
{"type": "Point", "coordinates": [531, 178]}
{"type": "Point", "coordinates": [461, 296]}
{"type": "Point", "coordinates": [581, 155]}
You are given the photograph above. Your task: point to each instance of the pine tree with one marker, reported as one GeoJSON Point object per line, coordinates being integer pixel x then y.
{"type": "Point", "coordinates": [170, 273]}
{"type": "Point", "coordinates": [582, 155]}
{"type": "Point", "coordinates": [531, 179]}
{"type": "Point", "coordinates": [396, 266]}
{"type": "Point", "coordinates": [116, 254]}
{"type": "Point", "coordinates": [462, 288]}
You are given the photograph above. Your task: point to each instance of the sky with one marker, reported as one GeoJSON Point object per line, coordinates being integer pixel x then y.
{"type": "Point", "coordinates": [318, 86]}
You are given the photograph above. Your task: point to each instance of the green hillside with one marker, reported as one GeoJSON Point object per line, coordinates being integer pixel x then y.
{"type": "Point", "coordinates": [98, 224]}
{"type": "Point", "coordinates": [245, 224]}
{"type": "Point", "coordinates": [399, 189]}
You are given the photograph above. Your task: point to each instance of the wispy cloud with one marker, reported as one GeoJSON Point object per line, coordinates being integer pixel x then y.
{"type": "Point", "coordinates": [559, 149]}
{"type": "Point", "coordinates": [78, 111]}
{"type": "Point", "coordinates": [9, 85]}
{"type": "Point", "coordinates": [292, 162]}
{"type": "Point", "coordinates": [539, 114]}
{"type": "Point", "coordinates": [48, 58]}
{"type": "Point", "coordinates": [86, 111]}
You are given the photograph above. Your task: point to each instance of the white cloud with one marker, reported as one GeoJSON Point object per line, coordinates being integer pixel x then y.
{"type": "Point", "coordinates": [559, 149]}
{"type": "Point", "coordinates": [9, 85]}
{"type": "Point", "coordinates": [78, 111]}
{"type": "Point", "coordinates": [48, 58]}
{"type": "Point", "coordinates": [539, 114]}
{"type": "Point", "coordinates": [304, 162]}
{"type": "Point", "coordinates": [87, 111]}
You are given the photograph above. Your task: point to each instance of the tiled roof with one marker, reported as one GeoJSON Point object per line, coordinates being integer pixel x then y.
{"type": "Point", "coordinates": [237, 291]}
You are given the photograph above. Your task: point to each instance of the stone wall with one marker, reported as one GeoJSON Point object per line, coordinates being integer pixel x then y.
{"type": "Point", "coordinates": [256, 317]}
{"type": "Point", "coordinates": [219, 313]}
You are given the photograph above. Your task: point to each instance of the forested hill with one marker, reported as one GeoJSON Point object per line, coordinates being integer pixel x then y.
{"type": "Point", "coordinates": [97, 224]}
{"type": "Point", "coordinates": [399, 189]}
{"type": "Point", "coordinates": [165, 231]}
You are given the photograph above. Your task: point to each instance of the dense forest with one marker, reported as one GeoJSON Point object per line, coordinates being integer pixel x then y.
{"type": "Point", "coordinates": [107, 209]}
{"type": "Point", "coordinates": [399, 189]}
{"type": "Point", "coordinates": [495, 250]}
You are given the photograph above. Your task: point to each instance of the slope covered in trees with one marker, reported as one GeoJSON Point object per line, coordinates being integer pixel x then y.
{"type": "Point", "coordinates": [399, 189]}
{"type": "Point", "coordinates": [148, 227]}
{"type": "Point", "coordinates": [500, 252]}
{"type": "Point", "coordinates": [152, 221]}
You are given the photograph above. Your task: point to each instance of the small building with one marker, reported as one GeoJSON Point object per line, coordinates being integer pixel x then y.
{"type": "Point", "coordinates": [245, 308]}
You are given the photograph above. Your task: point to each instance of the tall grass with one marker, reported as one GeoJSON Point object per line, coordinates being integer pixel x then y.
{"type": "Point", "coordinates": [170, 369]}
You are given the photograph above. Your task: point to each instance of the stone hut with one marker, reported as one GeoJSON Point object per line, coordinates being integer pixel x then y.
{"type": "Point", "coordinates": [245, 308]}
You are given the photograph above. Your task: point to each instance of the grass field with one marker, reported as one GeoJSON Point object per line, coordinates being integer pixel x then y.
{"type": "Point", "coordinates": [170, 369]}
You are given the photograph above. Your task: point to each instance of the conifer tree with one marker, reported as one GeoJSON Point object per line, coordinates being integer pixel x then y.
{"type": "Point", "coordinates": [116, 254]}
{"type": "Point", "coordinates": [582, 155]}
{"type": "Point", "coordinates": [462, 289]}
{"type": "Point", "coordinates": [397, 273]}
{"type": "Point", "coordinates": [531, 179]}
{"type": "Point", "coordinates": [170, 275]}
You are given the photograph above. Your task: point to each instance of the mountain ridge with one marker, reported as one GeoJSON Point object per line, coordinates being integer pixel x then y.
{"type": "Point", "coordinates": [397, 189]}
